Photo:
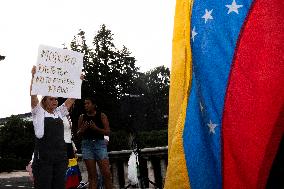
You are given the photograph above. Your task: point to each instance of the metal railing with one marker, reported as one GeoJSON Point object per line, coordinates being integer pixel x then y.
{"type": "Point", "coordinates": [153, 165]}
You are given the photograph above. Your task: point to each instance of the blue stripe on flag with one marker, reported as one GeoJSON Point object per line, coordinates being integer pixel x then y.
{"type": "Point", "coordinates": [215, 29]}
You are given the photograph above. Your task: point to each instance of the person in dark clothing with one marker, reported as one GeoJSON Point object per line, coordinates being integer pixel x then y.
{"type": "Point", "coordinates": [50, 158]}
{"type": "Point", "coordinates": [93, 126]}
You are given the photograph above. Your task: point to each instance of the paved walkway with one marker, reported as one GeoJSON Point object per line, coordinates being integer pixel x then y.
{"type": "Point", "coordinates": [20, 179]}
{"type": "Point", "coordinates": [15, 180]}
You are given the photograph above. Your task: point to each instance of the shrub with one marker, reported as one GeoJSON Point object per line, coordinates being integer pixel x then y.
{"type": "Point", "coordinates": [153, 138]}
{"type": "Point", "coordinates": [121, 140]}
{"type": "Point", "coordinates": [10, 164]}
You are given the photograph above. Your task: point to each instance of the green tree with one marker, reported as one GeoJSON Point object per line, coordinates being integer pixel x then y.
{"type": "Point", "coordinates": [109, 73]}
{"type": "Point", "coordinates": [16, 138]}
{"type": "Point", "coordinates": [2, 57]}
{"type": "Point", "coordinates": [147, 105]}
{"type": "Point", "coordinates": [153, 87]}
{"type": "Point", "coordinates": [158, 83]}
{"type": "Point", "coordinates": [129, 98]}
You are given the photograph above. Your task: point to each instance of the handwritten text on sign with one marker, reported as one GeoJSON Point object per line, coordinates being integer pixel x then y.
{"type": "Point", "coordinates": [58, 73]}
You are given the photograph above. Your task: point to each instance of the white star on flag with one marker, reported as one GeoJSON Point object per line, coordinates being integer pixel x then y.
{"type": "Point", "coordinates": [201, 107]}
{"type": "Point", "coordinates": [212, 127]}
{"type": "Point", "coordinates": [233, 7]}
{"type": "Point", "coordinates": [193, 33]}
{"type": "Point", "coordinates": [207, 15]}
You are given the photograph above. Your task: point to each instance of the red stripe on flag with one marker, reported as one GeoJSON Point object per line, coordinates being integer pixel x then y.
{"type": "Point", "coordinates": [253, 119]}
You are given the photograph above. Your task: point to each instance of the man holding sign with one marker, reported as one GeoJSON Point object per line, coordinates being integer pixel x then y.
{"type": "Point", "coordinates": [57, 75]}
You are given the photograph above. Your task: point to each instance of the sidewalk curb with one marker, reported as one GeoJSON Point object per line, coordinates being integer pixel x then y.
{"type": "Point", "coordinates": [14, 174]}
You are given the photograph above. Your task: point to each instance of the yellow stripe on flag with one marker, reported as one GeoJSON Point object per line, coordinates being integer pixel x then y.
{"type": "Point", "coordinates": [72, 162]}
{"type": "Point", "coordinates": [177, 176]}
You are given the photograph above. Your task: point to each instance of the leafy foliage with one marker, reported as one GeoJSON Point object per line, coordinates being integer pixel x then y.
{"type": "Point", "coordinates": [2, 57]}
{"type": "Point", "coordinates": [16, 138]}
{"type": "Point", "coordinates": [132, 100]}
{"type": "Point", "coordinates": [16, 144]}
{"type": "Point", "coordinates": [157, 97]}
{"type": "Point", "coordinates": [120, 140]}
{"type": "Point", "coordinates": [10, 164]}
{"type": "Point", "coordinates": [148, 139]}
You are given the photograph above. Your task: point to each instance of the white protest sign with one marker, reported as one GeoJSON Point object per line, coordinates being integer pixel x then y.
{"type": "Point", "coordinates": [58, 73]}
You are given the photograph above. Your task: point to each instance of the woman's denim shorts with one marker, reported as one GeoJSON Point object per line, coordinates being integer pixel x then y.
{"type": "Point", "coordinates": [94, 149]}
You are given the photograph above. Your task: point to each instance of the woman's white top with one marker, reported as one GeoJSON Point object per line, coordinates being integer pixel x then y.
{"type": "Point", "coordinates": [38, 115]}
{"type": "Point", "coordinates": [67, 130]}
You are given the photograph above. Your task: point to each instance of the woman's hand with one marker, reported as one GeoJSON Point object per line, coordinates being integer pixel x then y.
{"type": "Point", "coordinates": [93, 125]}
{"type": "Point", "coordinates": [33, 71]}
{"type": "Point", "coordinates": [85, 126]}
{"type": "Point", "coordinates": [34, 99]}
{"type": "Point", "coordinates": [82, 77]}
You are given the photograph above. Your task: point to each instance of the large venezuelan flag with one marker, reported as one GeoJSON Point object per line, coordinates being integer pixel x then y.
{"type": "Point", "coordinates": [226, 114]}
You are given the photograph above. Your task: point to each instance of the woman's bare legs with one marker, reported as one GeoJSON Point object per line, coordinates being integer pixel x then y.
{"type": "Point", "coordinates": [92, 173]}
{"type": "Point", "coordinates": [105, 171]}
